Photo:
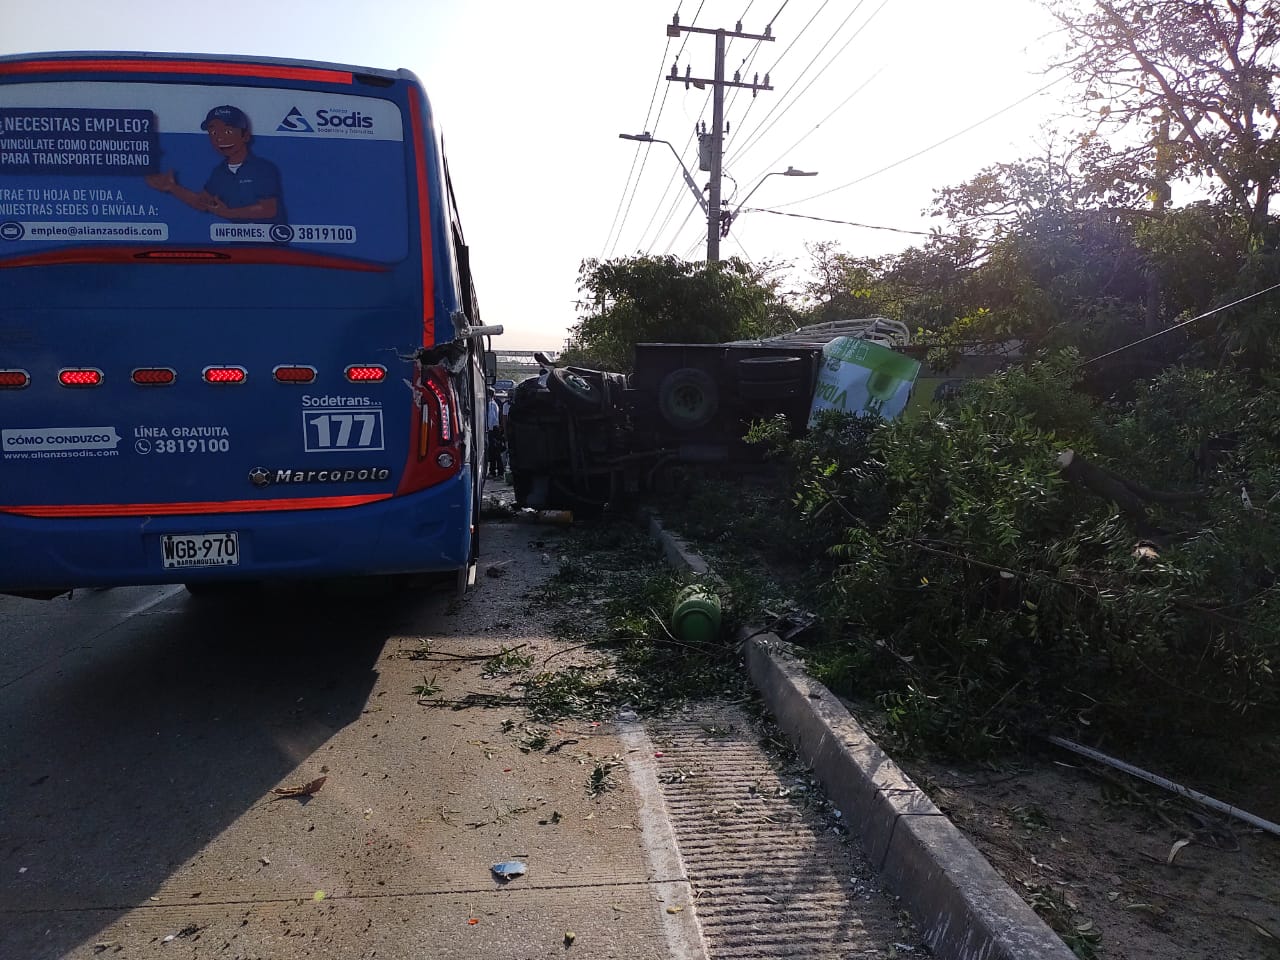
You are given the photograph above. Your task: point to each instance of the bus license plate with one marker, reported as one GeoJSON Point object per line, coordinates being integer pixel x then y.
{"type": "Point", "coordinates": [201, 550]}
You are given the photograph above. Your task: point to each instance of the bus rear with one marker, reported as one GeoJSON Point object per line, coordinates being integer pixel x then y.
{"type": "Point", "coordinates": [238, 340]}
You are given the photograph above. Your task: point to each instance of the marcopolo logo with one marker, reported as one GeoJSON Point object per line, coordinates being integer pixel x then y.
{"type": "Point", "coordinates": [295, 122]}
{"type": "Point", "coordinates": [59, 438]}
{"type": "Point", "coordinates": [264, 476]}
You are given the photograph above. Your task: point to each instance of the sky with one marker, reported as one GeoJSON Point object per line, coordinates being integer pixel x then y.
{"type": "Point", "coordinates": [885, 100]}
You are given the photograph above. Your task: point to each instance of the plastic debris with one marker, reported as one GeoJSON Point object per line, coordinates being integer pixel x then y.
{"type": "Point", "coordinates": [509, 869]}
{"type": "Point", "coordinates": [318, 895]}
{"type": "Point", "coordinates": [569, 937]}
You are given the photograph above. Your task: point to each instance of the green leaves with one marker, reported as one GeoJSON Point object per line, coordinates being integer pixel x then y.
{"type": "Point", "coordinates": [665, 299]}
{"type": "Point", "coordinates": [982, 597]}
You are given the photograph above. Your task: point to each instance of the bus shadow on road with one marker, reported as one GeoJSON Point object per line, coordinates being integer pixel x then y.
{"type": "Point", "coordinates": [124, 759]}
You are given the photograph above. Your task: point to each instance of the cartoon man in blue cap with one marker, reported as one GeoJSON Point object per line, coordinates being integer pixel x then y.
{"type": "Point", "coordinates": [243, 186]}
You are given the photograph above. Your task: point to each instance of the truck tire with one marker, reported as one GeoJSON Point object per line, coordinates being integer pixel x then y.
{"type": "Point", "coordinates": [688, 398]}
{"type": "Point", "coordinates": [576, 392]}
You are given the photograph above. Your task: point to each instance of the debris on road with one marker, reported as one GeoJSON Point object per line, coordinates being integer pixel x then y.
{"type": "Point", "coordinates": [306, 790]}
{"type": "Point", "coordinates": [190, 930]}
{"type": "Point", "coordinates": [509, 869]}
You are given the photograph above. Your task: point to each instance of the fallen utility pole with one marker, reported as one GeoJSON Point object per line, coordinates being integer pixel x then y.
{"type": "Point", "coordinates": [716, 136]}
{"type": "Point", "coordinates": [1169, 785]}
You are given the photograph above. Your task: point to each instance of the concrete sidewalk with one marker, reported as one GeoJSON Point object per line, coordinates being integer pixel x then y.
{"type": "Point", "coordinates": [966, 910]}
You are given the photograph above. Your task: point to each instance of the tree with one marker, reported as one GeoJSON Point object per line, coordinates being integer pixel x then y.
{"type": "Point", "coordinates": [917, 286]}
{"type": "Point", "coordinates": [842, 286]}
{"type": "Point", "coordinates": [1194, 79]}
{"type": "Point", "coordinates": [648, 299]}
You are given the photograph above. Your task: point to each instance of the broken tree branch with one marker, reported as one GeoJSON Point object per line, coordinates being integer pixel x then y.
{"type": "Point", "coordinates": [1130, 496]}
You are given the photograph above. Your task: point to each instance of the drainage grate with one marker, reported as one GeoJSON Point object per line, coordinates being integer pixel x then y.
{"type": "Point", "coordinates": [773, 870]}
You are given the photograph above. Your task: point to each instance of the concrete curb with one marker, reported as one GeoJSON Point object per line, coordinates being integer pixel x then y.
{"type": "Point", "coordinates": [964, 907]}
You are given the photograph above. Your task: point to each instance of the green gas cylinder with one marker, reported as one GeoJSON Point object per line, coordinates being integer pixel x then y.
{"type": "Point", "coordinates": [695, 618]}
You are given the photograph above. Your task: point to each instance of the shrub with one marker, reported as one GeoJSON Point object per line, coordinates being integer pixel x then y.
{"type": "Point", "coordinates": [980, 596]}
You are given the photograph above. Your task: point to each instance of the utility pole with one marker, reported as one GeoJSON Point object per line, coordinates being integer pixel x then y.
{"type": "Point", "coordinates": [716, 136]}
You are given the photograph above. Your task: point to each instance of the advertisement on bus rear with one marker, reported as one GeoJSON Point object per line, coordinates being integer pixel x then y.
{"type": "Point", "coordinates": [183, 164]}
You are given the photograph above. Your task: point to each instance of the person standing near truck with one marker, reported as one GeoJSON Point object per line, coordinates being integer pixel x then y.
{"type": "Point", "coordinates": [493, 426]}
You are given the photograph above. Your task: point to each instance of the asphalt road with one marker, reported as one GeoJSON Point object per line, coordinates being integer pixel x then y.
{"type": "Point", "coordinates": [143, 734]}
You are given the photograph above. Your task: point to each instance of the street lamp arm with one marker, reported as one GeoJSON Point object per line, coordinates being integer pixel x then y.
{"type": "Point", "coordinates": [789, 172]}
{"type": "Point", "coordinates": [693, 186]}
{"type": "Point", "coordinates": [743, 203]}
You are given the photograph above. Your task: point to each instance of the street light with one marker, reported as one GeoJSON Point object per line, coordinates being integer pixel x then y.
{"type": "Point", "coordinates": [646, 137]}
{"type": "Point", "coordinates": [789, 172]}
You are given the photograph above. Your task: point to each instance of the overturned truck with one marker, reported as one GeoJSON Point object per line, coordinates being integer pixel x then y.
{"type": "Point", "coordinates": [586, 438]}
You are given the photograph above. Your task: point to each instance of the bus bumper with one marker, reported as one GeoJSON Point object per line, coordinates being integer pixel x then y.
{"type": "Point", "coordinates": [425, 532]}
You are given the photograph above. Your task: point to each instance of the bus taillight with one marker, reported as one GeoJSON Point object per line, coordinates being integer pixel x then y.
{"type": "Point", "coordinates": [294, 374]}
{"type": "Point", "coordinates": [225, 374]}
{"type": "Point", "coordinates": [445, 415]}
{"type": "Point", "coordinates": [436, 455]}
{"type": "Point", "coordinates": [14, 379]}
{"type": "Point", "coordinates": [80, 377]}
{"type": "Point", "coordinates": [154, 376]}
{"type": "Point", "coordinates": [366, 373]}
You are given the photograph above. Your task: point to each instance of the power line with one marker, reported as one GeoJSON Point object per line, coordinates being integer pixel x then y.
{"type": "Point", "coordinates": [688, 252]}
{"type": "Point", "coordinates": [743, 68]}
{"type": "Point", "coordinates": [671, 212]}
{"type": "Point", "coordinates": [608, 250]}
{"type": "Point", "coordinates": [666, 90]}
{"type": "Point", "coordinates": [919, 153]}
{"type": "Point", "coordinates": [847, 223]}
{"type": "Point", "coordinates": [856, 91]}
{"type": "Point", "coordinates": [1161, 333]}
{"type": "Point", "coordinates": [761, 130]}
{"type": "Point", "coordinates": [672, 207]}
{"type": "Point", "coordinates": [678, 229]}
{"type": "Point", "coordinates": [781, 56]}
{"type": "Point", "coordinates": [676, 176]}
{"type": "Point", "coordinates": [750, 259]}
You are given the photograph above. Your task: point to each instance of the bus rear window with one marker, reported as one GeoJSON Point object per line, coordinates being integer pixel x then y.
{"type": "Point", "coordinates": [189, 165]}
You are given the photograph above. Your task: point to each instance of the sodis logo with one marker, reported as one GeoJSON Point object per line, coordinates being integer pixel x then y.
{"type": "Point", "coordinates": [295, 122]}
{"type": "Point", "coordinates": [351, 119]}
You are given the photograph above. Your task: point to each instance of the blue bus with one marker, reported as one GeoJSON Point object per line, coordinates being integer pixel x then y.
{"type": "Point", "coordinates": [239, 339]}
